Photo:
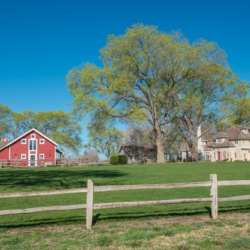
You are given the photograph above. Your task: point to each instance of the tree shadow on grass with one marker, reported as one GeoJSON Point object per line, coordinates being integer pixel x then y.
{"type": "Point", "coordinates": [123, 217]}
{"type": "Point", "coordinates": [56, 179]}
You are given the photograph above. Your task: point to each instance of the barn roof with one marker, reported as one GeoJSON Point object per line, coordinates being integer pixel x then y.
{"type": "Point", "coordinates": [3, 144]}
{"type": "Point", "coordinates": [18, 138]}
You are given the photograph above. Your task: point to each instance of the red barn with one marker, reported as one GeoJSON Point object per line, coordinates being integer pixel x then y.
{"type": "Point", "coordinates": [29, 148]}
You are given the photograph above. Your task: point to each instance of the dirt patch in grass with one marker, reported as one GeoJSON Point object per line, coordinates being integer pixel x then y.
{"type": "Point", "coordinates": [165, 222]}
{"type": "Point", "coordinates": [229, 231]}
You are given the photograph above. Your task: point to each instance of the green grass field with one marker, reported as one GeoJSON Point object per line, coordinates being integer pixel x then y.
{"type": "Point", "coordinates": [53, 178]}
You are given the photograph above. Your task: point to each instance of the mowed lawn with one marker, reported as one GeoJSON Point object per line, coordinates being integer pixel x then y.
{"type": "Point", "coordinates": [54, 178]}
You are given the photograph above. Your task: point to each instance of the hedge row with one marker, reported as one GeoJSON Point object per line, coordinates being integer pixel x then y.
{"type": "Point", "coordinates": [119, 159]}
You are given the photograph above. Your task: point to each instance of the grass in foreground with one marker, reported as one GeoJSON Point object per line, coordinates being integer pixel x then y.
{"type": "Point", "coordinates": [41, 179]}
{"type": "Point", "coordinates": [193, 233]}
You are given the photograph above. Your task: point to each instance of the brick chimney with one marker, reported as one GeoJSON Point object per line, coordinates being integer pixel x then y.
{"type": "Point", "coordinates": [5, 140]}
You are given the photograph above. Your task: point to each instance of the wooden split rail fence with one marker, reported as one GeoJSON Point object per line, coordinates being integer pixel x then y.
{"type": "Point", "coordinates": [44, 162]}
{"type": "Point", "coordinates": [213, 183]}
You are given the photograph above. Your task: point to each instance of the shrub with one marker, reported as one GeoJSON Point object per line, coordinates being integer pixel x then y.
{"type": "Point", "coordinates": [118, 159]}
{"type": "Point", "coordinates": [114, 160]}
{"type": "Point", "coordinates": [122, 159]}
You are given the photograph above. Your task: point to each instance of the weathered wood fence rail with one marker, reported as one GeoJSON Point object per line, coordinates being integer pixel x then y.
{"type": "Point", "coordinates": [43, 162]}
{"type": "Point", "coordinates": [213, 183]}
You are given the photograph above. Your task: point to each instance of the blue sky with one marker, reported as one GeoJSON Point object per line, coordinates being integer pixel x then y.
{"type": "Point", "coordinates": [42, 40]}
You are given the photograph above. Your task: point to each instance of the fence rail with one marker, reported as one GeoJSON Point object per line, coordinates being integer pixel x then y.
{"type": "Point", "coordinates": [213, 183]}
{"type": "Point", "coordinates": [47, 161]}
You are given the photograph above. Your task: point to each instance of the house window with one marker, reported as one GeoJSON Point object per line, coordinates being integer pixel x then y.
{"type": "Point", "coordinates": [23, 156]}
{"type": "Point", "coordinates": [246, 131]}
{"type": "Point", "coordinates": [33, 136]}
{"type": "Point", "coordinates": [41, 141]}
{"type": "Point", "coordinates": [32, 144]}
{"type": "Point", "coordinates": [219, 140]}
{"type": "Point", "coordinates": [214, 155]}
{"type": "Point", "coordinates": [23, 141]}
{"type": "Point", "coordinates": [245, 155]}
{"type": "Point", "coordinates": [243, 141]}
{"type": "Point", "coordinates": [206, 156]}
{"type": "Point", "coordinates": [227, 155]}
{"type": "Point", "coordinates": [230, 154]}
{"type": "Point", "coordinates": [203, 143]}
{"type": "Point", "coordinates": [236, 142]}
{"type": "Point", "coordinates": [235, 155]}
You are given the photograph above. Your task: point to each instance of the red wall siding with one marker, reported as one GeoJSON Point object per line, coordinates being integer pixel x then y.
{"type": "Point", "coordinates": [48, 149]}
{"type": "Point", "coordinates": [4, 154]}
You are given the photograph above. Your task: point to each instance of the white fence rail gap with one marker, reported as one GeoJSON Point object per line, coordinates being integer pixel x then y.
{"type": "Point", "coordinates": [213, 183]}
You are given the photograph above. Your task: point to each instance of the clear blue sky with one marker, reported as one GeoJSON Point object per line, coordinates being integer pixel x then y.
{"type": "Point", "coordinates": [41, 40]}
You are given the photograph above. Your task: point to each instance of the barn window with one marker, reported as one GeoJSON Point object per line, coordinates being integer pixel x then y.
{"type": "Point", "coordinates": [41, 156]}
{"type": "Point", "coordinates": [23, 141]}
{"type": "Point", "coordinates": [41, 141]}
{"type": "Point", "coordinates": [33, 136]}
{"type": "Point", "coordinates": [32, 145]}
{"type": "Point", "coordinates": [23, 156]}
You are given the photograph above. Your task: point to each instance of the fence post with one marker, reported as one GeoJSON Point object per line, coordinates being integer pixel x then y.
{"type": "Point", "coordinates": [214, 196]}
{"type": "Point", "coordinates": [63, 161]}
{"type": "Point", "coordinates": [89, 210]}
{"type": "Point", "coordinates": [80, 161]}
{"type": "Point", "coordinates": [41, 161]}
{"type": "Point", "coordinates": [16, 161]}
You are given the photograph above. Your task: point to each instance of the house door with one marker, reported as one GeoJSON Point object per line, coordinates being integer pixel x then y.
{"type": "Point", "coordinates": [218, 156]}
{"type": "Point", "coordinates": [32, 160]}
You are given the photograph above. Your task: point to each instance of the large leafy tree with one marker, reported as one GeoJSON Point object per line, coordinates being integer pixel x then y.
{"type": "Point", "coordinates": [57, 125]}
{"type": "Point", "coordinates": [104, 138]}
{"type": "Point", "coordinates": [145, 74]}
{"type": "Point", "coordinates": [5, 120]}
{"type": "Point", "coordinates": [241, 114]}
{"type": "Point", "coordinates": [209, 97]}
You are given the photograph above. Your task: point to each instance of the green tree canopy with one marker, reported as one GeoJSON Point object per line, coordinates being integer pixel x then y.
{"type": "Point", "coordinates": [57, 125]}
{"type": "Point", "coordinates": [146, 74]}
{"type": "Point", "coordinates": [104, 138]}
{"type": "Point", "coordinates": [5, 120]}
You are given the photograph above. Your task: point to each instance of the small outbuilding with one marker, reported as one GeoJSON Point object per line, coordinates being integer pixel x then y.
{"type": "Point", "coordinates": [146, 153]}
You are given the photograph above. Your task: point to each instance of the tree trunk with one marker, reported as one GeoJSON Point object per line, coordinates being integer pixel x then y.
{"type": "Point", "coordinates": [194, 148]}
{"type": "Point", "coordinates": [108, 161]}
{"type": "Point", "coordinates": [160, 150]}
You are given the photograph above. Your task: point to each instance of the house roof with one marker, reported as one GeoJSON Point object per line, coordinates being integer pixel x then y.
{"type": "Point", "coordinates": [226, 143]}
{"type": "Point", "coordinates": [18, 138]}
{"type": "Point", "coordinates": [233, 133]}
{"type": "Point", "coordinates": [135, 150]}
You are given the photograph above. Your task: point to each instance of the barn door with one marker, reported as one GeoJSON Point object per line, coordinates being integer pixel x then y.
{"type": "Point", "coordinates": [32, 160]}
